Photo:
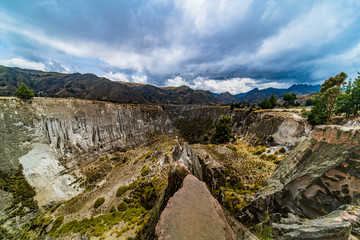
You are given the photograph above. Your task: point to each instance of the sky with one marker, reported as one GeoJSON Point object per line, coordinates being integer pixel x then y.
{"type": "Point", "coordinates": [215, 45]}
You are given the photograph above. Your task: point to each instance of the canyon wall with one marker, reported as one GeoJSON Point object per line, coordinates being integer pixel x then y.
{"type": "Point", "coordinates": [316, 178]}
{"type": "Point", "coordinates": [50, 136]}
{"type": "Point", "coordinates": [261, 127]}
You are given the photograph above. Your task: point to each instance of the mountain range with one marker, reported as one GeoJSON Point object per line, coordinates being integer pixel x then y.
{"type": "Point", "coordinates": [90, 86]}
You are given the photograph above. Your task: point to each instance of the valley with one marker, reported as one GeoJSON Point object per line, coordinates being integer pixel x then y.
{"type": "Point", "coordinates": [86, 169]}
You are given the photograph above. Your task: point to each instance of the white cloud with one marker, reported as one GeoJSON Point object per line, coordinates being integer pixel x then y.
{"type": "Point", "coordinates": [307, 33]}
{"type": "Point", "coordinates": [233, 85]}
{"type": "Point", "coordinates": [206, 17]}
{"type": "Point", "coordinates": [117, 76]}
{"type": "Point", "coordinates": [176, 82]}
{"type": "Point", "coordinates": [66, 69]}
{"type": "Point", "coordinates": [22, 63]}
{"type": "Point", "coordinates": [139, 79]}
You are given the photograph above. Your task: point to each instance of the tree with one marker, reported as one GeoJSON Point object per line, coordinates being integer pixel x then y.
{"type": "Point", "coordinates": [348, 101]}
{"type": "Point", "coordinates": [24, 92]}
{"type": "Point", "coordinates": [318, 113]}
{"type": "Point", "coordinates": [223, 130]}
{"type": "Point", "coordinates": [345, 101]}
{"type": "Point", "coordinates": [273, 101]}
{"type": "Point", "coordinates": [265, 104]}
{"type": "Point", "coordinates": [310, 102]}
{"type": "Point", "coordinates": [289, 99]}
{"type": "Point", "coordinates": [330, 90]}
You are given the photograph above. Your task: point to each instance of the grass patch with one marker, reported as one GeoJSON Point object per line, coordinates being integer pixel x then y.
{"type": "Point", "coordinates": [22, 192]}
{"type": "Point", "coordinates": [96, 226]}
{"type": "Point", "coordinates": [98, 172]}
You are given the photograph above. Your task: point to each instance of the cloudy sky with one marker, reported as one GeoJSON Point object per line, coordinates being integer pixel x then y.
{"type": "Point", "coordinates": [216, 45]}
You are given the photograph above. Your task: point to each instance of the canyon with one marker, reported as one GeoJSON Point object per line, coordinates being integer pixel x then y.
{"type": "Point", "coordinates": [69, 153]}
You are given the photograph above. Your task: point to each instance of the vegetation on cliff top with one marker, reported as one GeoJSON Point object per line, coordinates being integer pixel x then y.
{"type": "Point", "coordinates": [335, 97]}
{"type": "Point", "coordinates": [24, 92]}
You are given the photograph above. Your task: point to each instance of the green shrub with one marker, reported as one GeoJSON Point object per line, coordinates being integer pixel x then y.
{"type": "Point", "coordinates": [121, 190]}
{"type": "Point", "coordinates": [282, 150]}
{"type": "Point", "coordinates": [122, 207]}
{"type": "Point", "coordinates": [57, 223]}
{"type": "Point", "coordinates": [231, 148]}
{"type": "Point", "coordinates": [271, 157]}
{"type": "Point", "coordinates": [112, 209]}
{"type": "Point", "coordinates": [99, 202]}
{"type": "Point", "coordinates": [145, 171]}
{"type": "Point", "coordinates": [24, 92]}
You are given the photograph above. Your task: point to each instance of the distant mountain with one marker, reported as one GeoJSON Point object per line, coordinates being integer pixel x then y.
{"type": "Point", "coordinates": [89, 86]}
{"type": "Point", "coordinates": [257, 95]}
{"type": "Point", "coordinates": [227, 98]}
{"type": "Point", "coordinates": [173, 95]}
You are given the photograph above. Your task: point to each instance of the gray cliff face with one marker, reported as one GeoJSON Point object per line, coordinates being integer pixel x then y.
{"type": "Point", "coordinates": [79, 127]}
{"type": "Point", "coordinates": [74, 127]}
{"type": "Point", "coordinates": [196, 123]}
{"type": "Point", "coordinates": [58, 135]}
{"type": "Point", "coordinates": [270, 127]}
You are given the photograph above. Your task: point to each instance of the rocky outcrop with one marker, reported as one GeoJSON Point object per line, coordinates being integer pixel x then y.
{"type": "Point", "coordinates": [192, 213]}
{"type": "Point", "coordinates": [187, 156]}
{"type": "Point", "coordinates": [339, 224]}
{"type": "Point", "coordinates": [185, 209]}
{"type": "Point", "coordinates": [271, 127]}
{"type": "Point", "coordinates": [175, 180]}
{"type": "Point", "coordinates": [318, 177]}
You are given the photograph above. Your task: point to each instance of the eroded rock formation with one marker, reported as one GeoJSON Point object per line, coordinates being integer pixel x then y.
{"type": "Point", "coordinates": [318, 177]}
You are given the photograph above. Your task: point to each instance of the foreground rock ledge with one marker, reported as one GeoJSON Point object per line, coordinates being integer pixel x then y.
{"type": "Point", "coordinates": [192, 213]}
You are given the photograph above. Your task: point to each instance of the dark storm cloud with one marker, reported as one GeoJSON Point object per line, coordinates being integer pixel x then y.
{"type": "Point", "coordinates": [198, 43]}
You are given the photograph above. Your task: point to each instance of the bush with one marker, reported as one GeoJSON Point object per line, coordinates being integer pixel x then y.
{"type": "Point", "coordinates": [121, 190]}
{"type": "Point", "coordinates": [231, 148]}
{"type": "Point", "coordinates": [24, 92]}
{"type": "Point", "coordinates": [265, 104]}
{"type": "Point", "coordinates": [112, 209]}
{"type": "Point", "coordinates": [122, 207]}
{"type": "Point", "coordinates": [99, 202]}
{"type": "Point", "coordinates": [282, 150]}
{"type": "Point", "coordinates": [145, 171]}
{"type": "Point", "coordinates": [318, 114]}
{"type": "Point", "coordinates": [57, 223]}
{"type": "Point", "coordinates": [271, 157]}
